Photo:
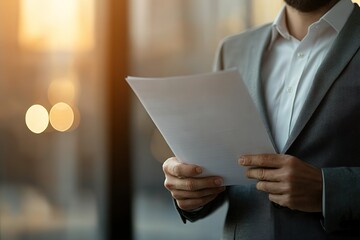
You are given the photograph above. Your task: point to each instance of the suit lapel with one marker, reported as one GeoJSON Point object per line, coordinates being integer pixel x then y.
{"type": "Point", "coordinates": [253, 79]}
{"type": "Point", "coordinates": [345, 46]}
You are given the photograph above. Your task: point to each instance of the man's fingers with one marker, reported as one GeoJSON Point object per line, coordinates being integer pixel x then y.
{"type": "Point", "coordinates": [191, 204]}
{"type": "Point", "coordinates": [192, 184]}
{"type": "Point", "coordinates": [261, 160]}
{"type": "Point", "coordinates": [264, 174]}
{"type": "Point", "coordinates": [183, 195]}
{"type": "Point", "coordinates": [175, 168]}
{"type": "Point", "coordinates": [272, 187]}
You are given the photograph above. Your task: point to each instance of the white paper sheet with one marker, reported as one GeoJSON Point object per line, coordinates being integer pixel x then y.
{"type": "Point", "coordinates": [206, 119]}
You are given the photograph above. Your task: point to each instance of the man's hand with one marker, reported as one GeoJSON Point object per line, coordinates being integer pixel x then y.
{"type": "Point", "coordinates": [289, 181]}
{"type": "Point", "coordinates": [189, 191]}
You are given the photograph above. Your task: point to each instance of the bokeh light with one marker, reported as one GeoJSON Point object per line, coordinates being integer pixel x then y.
{"type": "Point", "coordinates": [63, 90]}
{"type": "Point", "coordinates": [61, 117]}
{"type": "Point", "coordinates": [37, 118]}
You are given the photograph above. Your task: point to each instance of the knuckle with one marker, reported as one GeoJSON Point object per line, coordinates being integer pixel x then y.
{"type": "Point", "coordinates": [167, 184]}
{"type": "Point", "coordinates": [248, 173]}
{"type": "Point", "coordinates": [261, 174]}
{"type": "Point", "coordinates": [166, 165]}
{"type": "Point", "coordinates": [290, 162]}
{"type": "Point", "coordinates": [190, 185]}
{"type": "Point", "coordinates": [176, 170]}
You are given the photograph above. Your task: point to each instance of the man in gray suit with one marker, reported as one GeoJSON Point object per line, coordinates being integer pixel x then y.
{"type": "Point", "coordinates": [303, 73]}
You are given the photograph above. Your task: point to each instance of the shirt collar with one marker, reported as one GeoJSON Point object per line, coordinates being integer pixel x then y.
{"type": "Point", "coordinates": [336, 17]}
{"type": "Point", "coordinates": [279, 26]}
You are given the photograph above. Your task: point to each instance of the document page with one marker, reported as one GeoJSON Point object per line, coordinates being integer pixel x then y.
{"type": "Point", "coordinates": [206, 119]}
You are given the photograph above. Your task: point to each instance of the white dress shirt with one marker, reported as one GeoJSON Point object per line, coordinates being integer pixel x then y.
{"type": "Point", "coordinates": [290, 66]}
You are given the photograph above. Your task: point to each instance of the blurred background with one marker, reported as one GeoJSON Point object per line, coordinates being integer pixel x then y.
{"type": "Point", "coordinates": [79, 156]}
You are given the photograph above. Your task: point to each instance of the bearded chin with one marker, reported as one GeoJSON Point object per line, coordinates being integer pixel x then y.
{"type": "Point", "coordinates": [308, 5]}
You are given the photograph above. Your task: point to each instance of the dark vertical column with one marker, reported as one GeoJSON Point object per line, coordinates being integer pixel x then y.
{"type": "Point", "coordinates": [119, 167]}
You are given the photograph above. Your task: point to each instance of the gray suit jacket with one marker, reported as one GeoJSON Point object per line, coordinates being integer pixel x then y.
{"type": "Point", "coordinates": [326, 135]}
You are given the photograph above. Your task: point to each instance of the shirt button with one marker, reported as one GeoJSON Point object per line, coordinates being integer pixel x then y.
{"type": "Point", "coordinates": [289, 90]}
{"type": "Point", "coordinates": [300, 55]}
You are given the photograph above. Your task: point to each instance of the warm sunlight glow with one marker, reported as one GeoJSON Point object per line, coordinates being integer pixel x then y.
{"type": "Point", "coordinates": [265, 11]}
{"type": "Point", "coordinates": [61, 117]}
{"type": "Point", "coordinates": [37, 118]}
{"type": "Point", "coordinates": [60, 25]}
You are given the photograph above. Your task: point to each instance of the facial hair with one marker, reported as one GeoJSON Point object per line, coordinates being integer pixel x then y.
{"type": "Point", "coordinates": [309, 5]}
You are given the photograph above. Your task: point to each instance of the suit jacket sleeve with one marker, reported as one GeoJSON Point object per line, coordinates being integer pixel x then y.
{"type": "Point", "coordinates": [204, 211]}
{"type": "Point", "coordinates": [342, 195]}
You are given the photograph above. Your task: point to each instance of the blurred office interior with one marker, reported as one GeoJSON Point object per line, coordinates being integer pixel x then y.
{"type": "Point", "coordinates": [79, 156]}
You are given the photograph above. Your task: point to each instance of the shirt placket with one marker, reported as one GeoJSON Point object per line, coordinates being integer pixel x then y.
{"type": "Point", "coordinates": [289, 89]}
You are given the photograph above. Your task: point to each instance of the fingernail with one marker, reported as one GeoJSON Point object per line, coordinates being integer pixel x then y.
{"type": "Point", "coordinates": [198, 170]}
{"type": "Point", "coordinates": [219, 182]}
